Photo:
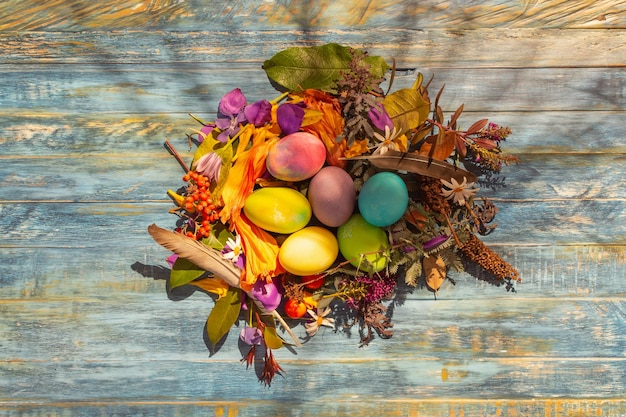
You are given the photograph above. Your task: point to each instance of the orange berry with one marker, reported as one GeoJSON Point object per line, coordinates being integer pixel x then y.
{"type": "Point", "coordinates": [295, 309]}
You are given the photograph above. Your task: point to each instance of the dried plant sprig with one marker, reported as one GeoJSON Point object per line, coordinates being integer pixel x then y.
{"type": "Point", "coordinates": [476, 251]}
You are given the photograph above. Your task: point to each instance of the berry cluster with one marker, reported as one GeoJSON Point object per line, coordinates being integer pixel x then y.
{"type": "Point", "coordinates": [199, 205]}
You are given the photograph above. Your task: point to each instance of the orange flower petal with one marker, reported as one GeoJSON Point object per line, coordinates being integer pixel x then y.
{"type": "Point", "coordinates": [261, 251]}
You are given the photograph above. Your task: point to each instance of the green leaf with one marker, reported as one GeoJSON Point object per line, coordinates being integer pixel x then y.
{"type": "Point", "coordinates": [218, 237]}
{"type": "Point", "coordinates": [317, 67]}
{"type": "Point", "coordinates": [272, 340]}
{"type": "Point", "coordinates": [407, 108]}
{"type": "Point", "coordinates": [183, 272]}
{"type": "Point", "coordinates": [223, 315]}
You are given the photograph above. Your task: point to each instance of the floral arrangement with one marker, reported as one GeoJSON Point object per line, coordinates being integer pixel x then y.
{"type": "Point", "coordinates": [326, 199]}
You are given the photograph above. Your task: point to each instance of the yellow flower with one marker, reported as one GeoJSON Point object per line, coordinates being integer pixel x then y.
{"type": "Point", "coordinates": [359, 147]}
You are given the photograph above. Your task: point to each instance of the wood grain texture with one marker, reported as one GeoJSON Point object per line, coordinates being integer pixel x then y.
{"type": "Point", "coordinates": [89, 92]}
{"type": "Point", "coordinates": [184, 88]}
{"type": "Point", "coordinates": [76, 15]}
{"type": "Point", "coordinates": [446, 47]}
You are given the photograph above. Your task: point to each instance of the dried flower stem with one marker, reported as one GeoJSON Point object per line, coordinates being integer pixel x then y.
{"type": "Point", "coordinates": [170, 148]}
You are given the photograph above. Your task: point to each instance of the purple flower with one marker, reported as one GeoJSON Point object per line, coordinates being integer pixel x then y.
{"type": "Point", "coordinates": [251, 336]}
{"type": "Point", "coordinates": [380, 118]}
{"type": "Point", "coordinates": [230, 114]}
{"type": "Point", "coordinates": [206, 131]}
{"type": "Point", "coordinates": [210, 165]}
{"type": "Point", "coordinates": [289, 117]}
{"type": "Point", "coordinates": [259, 113]}
{"type": "Point", "coordinates": [171, 259]}
{"type": "Point", "coordinates": [232, 103]}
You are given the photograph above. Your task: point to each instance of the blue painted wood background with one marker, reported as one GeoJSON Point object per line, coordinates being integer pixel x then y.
{"type": "Point", "coordinates": [88, 94]}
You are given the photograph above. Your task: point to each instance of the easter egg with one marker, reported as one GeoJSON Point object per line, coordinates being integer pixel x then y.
{"type": "Point", "coordinates": [332, 196]}
{"type": "Point", "coordinates": [278, 209]}
{"type": "Point", "coordinates": [308, 251]}
{"type": "Point", "coordinates": [296, 157]}
{"type": "Point", "coordinates": [357, 237]}
{"type": "Point", "coordinates": [383, 199]}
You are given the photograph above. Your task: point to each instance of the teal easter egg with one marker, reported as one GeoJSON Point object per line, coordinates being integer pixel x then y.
{"type": "Point", "coordinates": [332, 196]}
{"type": "Point", "coordinates": [278, 209]}
{"type": "Point", "coordinates": [357, 238]}
{"type": "Point", "coordinates": [308, 251]}
{"type": "Point", "coordinates": [296, 157]}
{"type": "Point", "coordinates": [383, 199]}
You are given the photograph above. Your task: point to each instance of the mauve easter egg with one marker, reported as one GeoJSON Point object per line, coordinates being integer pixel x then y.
{"type": "Point", "coordinates": [383, 199]}
{"type": "Point", "coordinates": [296, 157]}
{"type": "Point", "coordinates": [332, 196]}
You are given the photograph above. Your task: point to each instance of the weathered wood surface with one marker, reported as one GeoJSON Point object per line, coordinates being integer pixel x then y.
{"type": "Point", "coordinates": [89, 92]}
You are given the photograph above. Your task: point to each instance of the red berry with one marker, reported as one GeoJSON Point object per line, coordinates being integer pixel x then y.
{"type": "Point", "coordinates": [295, 309]}
{"type": "Point", "coordinates": [313, 282]}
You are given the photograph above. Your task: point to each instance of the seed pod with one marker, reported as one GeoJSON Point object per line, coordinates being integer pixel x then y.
{"type": "Point", "coordinates": [435, 271]}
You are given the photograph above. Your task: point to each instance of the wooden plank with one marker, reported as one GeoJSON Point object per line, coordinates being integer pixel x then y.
{"type": "Point", "coordinates": [467, 346]}
{"type": "Point", "coordinates": [89, 89]}
{"type": "Point", "coordinates": [445, 47]}
{"type": "Point", "coordinates": [134, 267]}
{"type": "Point", "coordinates": [186, 87]}
{"type": "Point", "coordinates": [300, 14]}
{"type": "Point", "coordinates": [58, 224]}
{"type": "Point", "coordinates": [129, 379]}
{"type": "Point", "coordinates": [145, 177]}
{"type": "Point", "coordinates": [411, 407]}
{"type": "Point", "coordinates": [51, 133]}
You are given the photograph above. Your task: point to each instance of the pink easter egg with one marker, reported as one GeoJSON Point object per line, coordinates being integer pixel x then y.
{"type": "Point", "coordinates": [296, 157]}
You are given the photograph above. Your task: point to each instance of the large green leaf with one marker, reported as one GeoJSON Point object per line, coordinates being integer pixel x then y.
{"type": "Point", "coordinates": [317, 67]}
{"type": "Point", "coordinates": [223, 315]}
{"type": "Point", "coordinates": [183, 272]}
{"type": "Point", "coordinates": [407, 108]}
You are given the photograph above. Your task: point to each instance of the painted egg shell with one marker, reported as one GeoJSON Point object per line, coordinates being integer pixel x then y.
{"type": "Point", "coordinates": [332, 196]}
{"type": "Point", "coordinates": [278, 209]}
{"type": "Point", "coordinates": [383, 199]}
{"type": "Point", "coordinates": [308, 251]}
{"type": "Point", "coordinates": [356, 237]}
{"type": "Point", "coordinates": [296, 157]}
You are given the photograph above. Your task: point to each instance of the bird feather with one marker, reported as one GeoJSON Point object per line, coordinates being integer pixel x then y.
{"type": "Point", "coordinates": [418, 164]}
{"type": "Point", "coordinates": [197, 253]}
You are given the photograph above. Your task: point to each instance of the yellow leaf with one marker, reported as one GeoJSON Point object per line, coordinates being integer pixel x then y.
{"type": "Point", "coordinates": [215, 285]}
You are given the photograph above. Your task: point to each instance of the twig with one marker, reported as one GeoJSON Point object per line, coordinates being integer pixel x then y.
{"type": "Point", "coordinates": [175, 154]}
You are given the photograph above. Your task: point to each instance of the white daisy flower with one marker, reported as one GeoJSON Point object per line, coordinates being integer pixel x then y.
{"type": "Point", "coordinates": [459, 193]}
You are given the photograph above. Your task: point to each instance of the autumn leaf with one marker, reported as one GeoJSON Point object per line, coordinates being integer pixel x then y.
{"type": "Point", "coordinates": [407, 108]}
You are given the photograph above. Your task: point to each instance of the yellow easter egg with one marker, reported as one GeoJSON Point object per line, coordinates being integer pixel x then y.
{"type": "Point", "coordinates": [308, 251]}
{"type": "Point", "coordinates": [278, 209]}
